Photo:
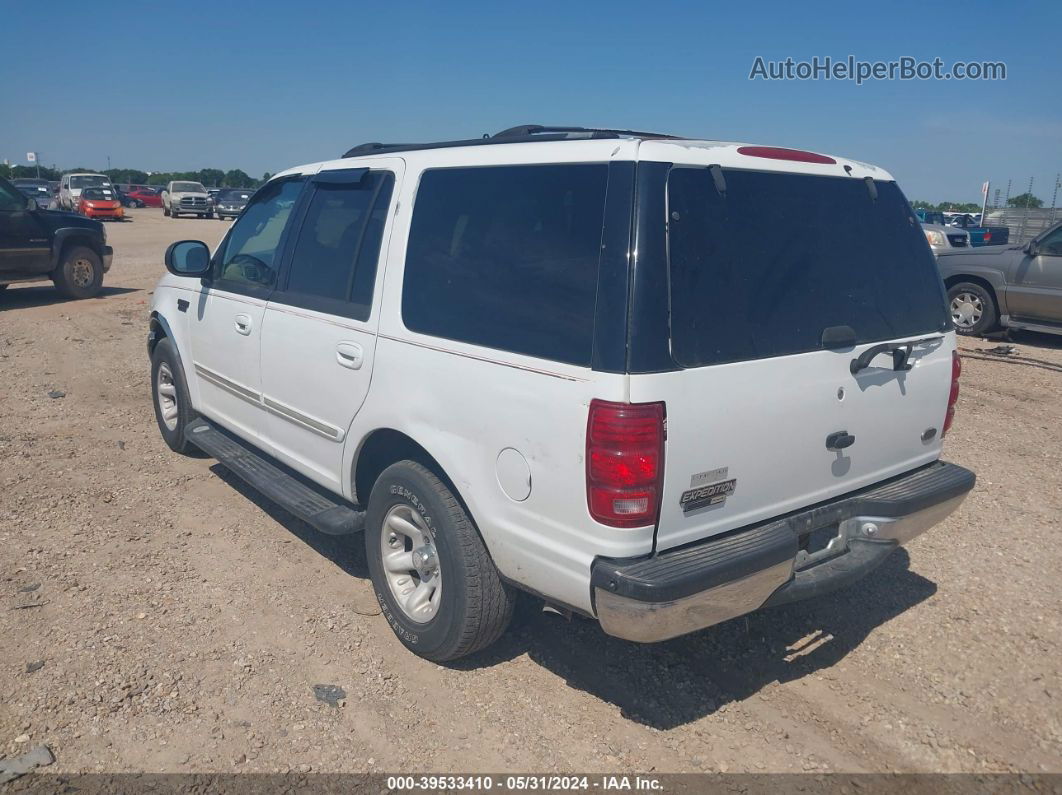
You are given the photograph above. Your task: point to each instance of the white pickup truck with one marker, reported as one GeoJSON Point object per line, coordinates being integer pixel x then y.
{"type": "Point", "coordinates": [186, 198]}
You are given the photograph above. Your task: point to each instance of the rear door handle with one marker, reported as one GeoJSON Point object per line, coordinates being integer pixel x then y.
{"type": "Point", "coordinates": [350, 355]}
{"type": "Point", "coordinates": [243, 324]}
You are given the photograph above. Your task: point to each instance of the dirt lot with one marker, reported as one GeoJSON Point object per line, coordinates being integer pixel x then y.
{"type": "Point", "coordinates": [183, 621]}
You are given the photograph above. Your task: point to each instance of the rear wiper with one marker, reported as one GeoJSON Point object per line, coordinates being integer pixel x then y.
{"type": "Point", "coordinates": [901, 355]}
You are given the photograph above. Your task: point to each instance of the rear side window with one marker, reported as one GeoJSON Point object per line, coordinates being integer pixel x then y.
{"type": "Point", "coordinates": [763, 268]}
{"type": "Point", "coordinates": [507, 257]}
{"type": "Point", "coordinates": [338, 247]}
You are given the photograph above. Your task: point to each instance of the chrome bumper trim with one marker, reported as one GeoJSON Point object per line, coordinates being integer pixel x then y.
{"type": "Point", "coordinates": [649, 622]}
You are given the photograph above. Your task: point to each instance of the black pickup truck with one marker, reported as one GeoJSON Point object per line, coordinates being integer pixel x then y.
{"type": "Point", "coordinates": [38, 245]}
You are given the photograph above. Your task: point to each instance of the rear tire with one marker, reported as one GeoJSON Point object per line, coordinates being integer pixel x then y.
{"type": "Point", "coordinates": [413, 513]}
{"type": "Point", "coordinates": [972, 308]}
{"type": "Point", "coordinates": [169, 396]}
{"type": "Point", "coordinates": [80, 273]}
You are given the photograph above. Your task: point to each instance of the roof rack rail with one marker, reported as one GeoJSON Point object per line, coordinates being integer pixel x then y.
{"type": "Point", "coordinates": [527, 130]}
{"type": "Point", "coordinates": [526, 133]}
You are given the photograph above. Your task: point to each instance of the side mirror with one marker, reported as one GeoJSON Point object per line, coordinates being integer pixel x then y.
{"type": "Point", "coordinates": [1031, 248]}
{"type": "Point", "coordinates": [188, 258]}
{"type": "Point", "coordinates": [31, 203]}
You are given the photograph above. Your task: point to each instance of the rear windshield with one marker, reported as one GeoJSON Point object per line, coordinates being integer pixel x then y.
{"type": "Point", "coordinates": [763, 268]}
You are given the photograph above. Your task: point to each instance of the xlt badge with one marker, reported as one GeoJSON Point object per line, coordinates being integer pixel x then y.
{"type": "Point", "coordinates": [703, 493]}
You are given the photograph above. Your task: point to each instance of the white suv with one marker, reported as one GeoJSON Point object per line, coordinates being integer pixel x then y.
{"type": "Point", "coordinates": [655, 381]}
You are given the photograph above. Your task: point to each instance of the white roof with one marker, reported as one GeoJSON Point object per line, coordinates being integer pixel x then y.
{"type": "Point", "coordinates": [599, 150]}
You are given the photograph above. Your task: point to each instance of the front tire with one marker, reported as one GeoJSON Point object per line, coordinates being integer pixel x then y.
{"type": "Point", "coordinates": [169, 395]}
{"type": "Point", "coordinates": [435, 582]}
{"type": "Point", "coordinates": [972, 308]}
{"type": "Point", "coordinates": [80, 274]}
{"type": "Point", "coordinates": [166, 211]}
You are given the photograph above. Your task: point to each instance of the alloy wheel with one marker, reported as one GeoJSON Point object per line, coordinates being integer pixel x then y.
{"type": "Point", "coordinates": [411, 563]}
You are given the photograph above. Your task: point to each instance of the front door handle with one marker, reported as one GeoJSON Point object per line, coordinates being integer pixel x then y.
{"type": "Point", "coordinates": [350, 355]}
{"type": "Point", "coordinates": [243, 324]}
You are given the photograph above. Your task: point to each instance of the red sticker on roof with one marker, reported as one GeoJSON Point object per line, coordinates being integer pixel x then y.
{"type": "Point", "coordinates": [778, 153]}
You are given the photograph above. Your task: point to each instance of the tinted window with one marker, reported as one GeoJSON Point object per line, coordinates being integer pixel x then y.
{"type": "Point", "coordinates": [1051, 244]}
{"type": "Point", "coordinates": [339, 243]}
{"type": "Point", "coordinates": [507, 257]}
{"type": "Point", "coordinates": [763, 269]}
{"type": "Point", "coordinates": [250, 250]}
{"type": "Point", "coordinates": [10, 199]}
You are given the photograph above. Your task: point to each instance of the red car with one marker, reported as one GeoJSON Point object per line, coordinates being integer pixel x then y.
{"type": "Point", "coordinates": [144, 197]}
{"type": "Point", "coordinates": [100, 203]}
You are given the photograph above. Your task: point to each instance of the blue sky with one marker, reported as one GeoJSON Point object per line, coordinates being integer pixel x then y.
{"type": "Point", "coordinates": [265, 85]}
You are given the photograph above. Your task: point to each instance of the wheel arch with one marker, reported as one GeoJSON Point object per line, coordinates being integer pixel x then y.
{"type": "Point", "coordinates": [994, 290]}
{"type": "Point", "coordinates": [383, 447]}
{"type": "Point", "coordinates": [73, 236]}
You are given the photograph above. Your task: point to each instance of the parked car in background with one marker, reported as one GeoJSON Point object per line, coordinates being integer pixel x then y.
{"type": "Point", "coordinates": [71, 185]}
{"type": "Point", "coordinates": [980, 235]}
{"type": "Point", "coordinates": [38, 190]}
{"type": "Point", "coordinates": [945, 238]}
{"type": "Point", "coordinates": [186, 198]}
{"type": "Point", "coordinates": [143, 197]}
{"type": "Point", "coordinates": [456, 350]}
{"type": "Point", "coordinates": [1008, 286]}
{"type": "Point", "coordinates": [231, 201]}
{"type": "Point", "coordinates": [102, 203]}
{"type": "Point", "coordinates": [37, 245]}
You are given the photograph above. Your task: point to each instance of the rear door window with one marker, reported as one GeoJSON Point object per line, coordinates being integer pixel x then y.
{"type": "Point", "coordinates": [333, 264]}
{"type": "Point", "coordinates": [507, 257]}
{"type": "Point", "coordinates": [764, 267]}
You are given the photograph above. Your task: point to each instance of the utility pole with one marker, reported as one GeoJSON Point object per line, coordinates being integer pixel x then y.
{"type": "Point", "coordinates": [1054, 197]}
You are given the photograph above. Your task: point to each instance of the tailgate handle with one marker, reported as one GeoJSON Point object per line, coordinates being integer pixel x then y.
{"type": "Point", "coordinates": [839, 440]}
{"type": "Point", "coordinates": [901, 354]}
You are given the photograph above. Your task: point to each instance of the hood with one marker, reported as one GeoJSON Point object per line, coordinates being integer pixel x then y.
{"type": "Point", "coordinates": [60, 219]}
{"type": "Point", "coordinates": [947, 230]}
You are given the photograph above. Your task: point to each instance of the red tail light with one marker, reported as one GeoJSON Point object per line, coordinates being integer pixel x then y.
{"type": "Point", "coordinates": [624, 462]}
{"type": "Point", "coordinates": [953, 397]}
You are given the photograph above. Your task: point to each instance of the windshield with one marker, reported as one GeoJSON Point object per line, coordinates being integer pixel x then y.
{"type": "Point", "coordinates": [188, 187]}
{"type": "Point", "coordinates": [89, 181]}
{"type": "Point", "coordinates": [234, 195]}
{"type": "Point", "coordinates": [96, 193]}
{"type": "Point", "coordinates": [765, 267]}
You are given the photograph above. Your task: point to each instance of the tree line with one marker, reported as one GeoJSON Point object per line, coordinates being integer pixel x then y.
{"type": "Point", "coordinates": [1021, 200]}
{"type": "Point", "coordinates": [211, 177]}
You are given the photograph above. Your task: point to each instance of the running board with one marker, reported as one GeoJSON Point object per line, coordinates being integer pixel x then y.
{"type": "Point", "coordinates": [1026, 325]}
{"type": "Point", "coordinates": [314, 506]}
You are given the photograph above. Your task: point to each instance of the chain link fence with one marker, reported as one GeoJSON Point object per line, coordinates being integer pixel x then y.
{"type": "Point", "coordinates": [1024, 223]}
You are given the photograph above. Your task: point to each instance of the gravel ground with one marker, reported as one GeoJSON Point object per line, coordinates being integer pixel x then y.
{"type": "Point", "coordinates": [156, 615]}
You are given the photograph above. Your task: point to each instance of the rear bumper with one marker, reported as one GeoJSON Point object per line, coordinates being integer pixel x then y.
{"type": "Point", "coordinates": [693, 587]}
